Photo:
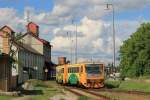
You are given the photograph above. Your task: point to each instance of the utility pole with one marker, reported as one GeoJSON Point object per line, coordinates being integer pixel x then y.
{"type": "Point", "coordinates": [76, 44]}
{"type": "Point", "coordinates": [70, 39]}
{"type": "Point", "coordinates": [114, 47]}
{"type": "Point", "coordinates": [28, 16]}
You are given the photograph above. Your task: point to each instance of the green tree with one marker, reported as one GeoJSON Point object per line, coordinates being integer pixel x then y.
{"type": "Point", "coordinates": [135, 53]}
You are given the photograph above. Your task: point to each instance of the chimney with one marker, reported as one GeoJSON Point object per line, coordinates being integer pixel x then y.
{"type": "Point", "coordinates": [61, 60]}
{"type": "Point", "coordinates": [6, 33]}
{"type": "Point", "coordinates": [33, 28]}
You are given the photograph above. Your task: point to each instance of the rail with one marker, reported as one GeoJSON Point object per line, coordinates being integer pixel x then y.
{"type": "Point", "coordinates": [79, 92]}
{"type": "Point", "coordinates": [124, 91]}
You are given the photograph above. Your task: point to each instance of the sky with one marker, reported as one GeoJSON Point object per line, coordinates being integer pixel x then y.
{"type": "Point", "coordinates": [58, 20]}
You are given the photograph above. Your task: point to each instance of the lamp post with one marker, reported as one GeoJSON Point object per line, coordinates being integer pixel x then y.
{"type": "Point", "coordinates": [36, 71]}
{"type": "Point", "coordinates": [46, 71]}
{"type": "Point", "coordinates": [114, 47]}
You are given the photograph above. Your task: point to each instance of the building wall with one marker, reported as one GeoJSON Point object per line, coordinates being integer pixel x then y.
{"type": "Point", "coordinates": [6, 33]}
{"type": "Point", "coordinates": [37, 46]}
{"type": "Point", "coordinates": [1, 42]}
{"type": "Point", "coordinates": [5, 74]}
{"type": "Point", "coordinates": [33, 44]}
{"type": "Point", "coordinates": [30, 66]}
{"type": "Point", "coordinates": [6, 47]}
{"type": "Point", "coordinates": [47, 53]}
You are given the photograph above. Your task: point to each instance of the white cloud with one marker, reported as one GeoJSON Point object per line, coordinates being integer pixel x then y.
{"type": "Point", "coordinates": [90, 44]}
{"type": "Point", "coordinates": [9, 17]}
{"type": "Point", "coordinates": [94, 8]}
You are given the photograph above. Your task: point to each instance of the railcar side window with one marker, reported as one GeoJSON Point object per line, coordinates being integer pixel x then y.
{"type": "Point", "coordinates": [102, 68]}
{"type": "Point", "coordinates": [70, 70]}
{"type": "Point", "coordinates": [76, 69]}
{"type": "Point", "coordinates": [81, 68]}
{"type": "Point", "coordinates": [62, 70]}
{"type": "Point", "coordinates": [73, 70]}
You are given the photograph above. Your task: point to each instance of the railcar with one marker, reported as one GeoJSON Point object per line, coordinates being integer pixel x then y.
{"type": "Point", "coordinates": [89, 75]}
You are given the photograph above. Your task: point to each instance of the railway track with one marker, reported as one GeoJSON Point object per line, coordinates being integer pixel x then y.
{"type": "Point", "coordinates": [85, 92]}
{"type": "Point", "coordinates": [123, 91]}
{"type": "Point", "coordinates": [97, 95]}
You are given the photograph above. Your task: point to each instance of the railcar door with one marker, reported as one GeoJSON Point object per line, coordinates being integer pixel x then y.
{"type": "Point", "coordinates": [82, 74]}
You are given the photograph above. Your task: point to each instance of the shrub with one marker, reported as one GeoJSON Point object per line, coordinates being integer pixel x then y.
{"type": "Point", "coordinates": [112, 84]}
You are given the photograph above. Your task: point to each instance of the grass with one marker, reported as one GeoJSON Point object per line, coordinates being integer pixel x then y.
{"type": "Point", "coordinates": [6, 97]}
{"type": "Point", "coordinates": [144, 77]}
{"type": "Point", "coordinates": [128, 85]}
{"type": "Point", "coordinates": [139, 86]}
{"type": "Point", "coordinates": [47, 91]}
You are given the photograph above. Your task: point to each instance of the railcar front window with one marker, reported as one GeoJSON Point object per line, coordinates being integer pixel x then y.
{"type": "Point", "coordinates": [93, 69]}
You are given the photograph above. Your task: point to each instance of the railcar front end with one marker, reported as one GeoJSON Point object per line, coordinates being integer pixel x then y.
{"type": "Point", "coordinates": [94, 74]}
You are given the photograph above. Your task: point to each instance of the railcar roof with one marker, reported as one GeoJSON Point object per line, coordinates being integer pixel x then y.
{"type": "Point", "coordinates": [78, 64]}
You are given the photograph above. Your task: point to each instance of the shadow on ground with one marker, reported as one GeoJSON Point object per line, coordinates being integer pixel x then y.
{"type": "Point", "coordinates": [31, 92]}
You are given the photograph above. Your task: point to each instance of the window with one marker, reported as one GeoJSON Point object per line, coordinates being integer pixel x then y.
{"type": "Point", "coordinates": [93, 69]}
{"type": "Point", "coordinates": [77, 69]}
{"type": "Point", "coordinates": [62, 70]}
{"type": "Point", "coordinates": [73, 70]}
{"type": "Point", "coordinates": [70, 70]}
{"type": "Point", "coordinates": [81, 68]}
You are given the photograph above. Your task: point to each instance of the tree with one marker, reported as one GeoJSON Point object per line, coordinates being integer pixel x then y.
{"type": "Point", "coordinates": [135, 53]}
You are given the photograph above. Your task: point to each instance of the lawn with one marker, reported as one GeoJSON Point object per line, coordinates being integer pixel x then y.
{"type": "Point", "coordinates": [46, 89]}
{"type": "Point", "coordinates": [41, 91]}
{"type": "Point", "coordinates": [128, 85]}
{"type": "Point", "coordinates": [6, 97]}
{"type": "Point", "coordinates": [139, 86]}
{"type": "Point", "coordinates": [124, 96]}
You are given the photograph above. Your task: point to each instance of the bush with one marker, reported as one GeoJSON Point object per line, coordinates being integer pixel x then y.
{"type": "Point", "coordinates": [112, 84]}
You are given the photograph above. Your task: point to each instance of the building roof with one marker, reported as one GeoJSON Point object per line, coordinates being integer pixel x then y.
{"type": "Point", "coordinates": [8, 28]}
{"type": "Point", "coordinates": [2, 31]}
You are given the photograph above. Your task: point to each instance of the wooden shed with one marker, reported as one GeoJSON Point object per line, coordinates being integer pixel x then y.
{"type": "Point", "coordinates": [6, 72]}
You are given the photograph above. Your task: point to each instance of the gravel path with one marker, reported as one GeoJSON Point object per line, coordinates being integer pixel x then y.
{"type": "Point", "coordinates": [66, 96]}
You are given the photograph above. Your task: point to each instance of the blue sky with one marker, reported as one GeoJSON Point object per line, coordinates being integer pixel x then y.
{"type": "Point", "coordinates": [40, 5]}
{"type": "Point", "coordinates": [94, 23]}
